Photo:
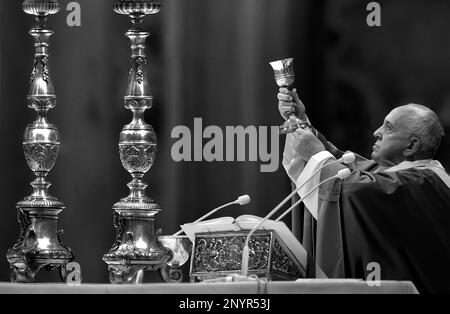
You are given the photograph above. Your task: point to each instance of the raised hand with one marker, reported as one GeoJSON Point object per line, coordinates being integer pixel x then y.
{"type": "Point", "coordinates": [289, 103]}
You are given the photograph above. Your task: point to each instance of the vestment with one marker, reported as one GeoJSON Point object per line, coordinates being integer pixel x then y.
{"type": "Point", "coordinates": [397, 217]}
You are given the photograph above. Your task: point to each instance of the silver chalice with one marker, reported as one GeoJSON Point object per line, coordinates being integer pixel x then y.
{"type": "Point", "coordinates": [285, 77]}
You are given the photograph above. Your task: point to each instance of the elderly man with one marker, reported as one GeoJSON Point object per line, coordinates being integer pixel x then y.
{"type": "Point", "coordinates": [391, 215]}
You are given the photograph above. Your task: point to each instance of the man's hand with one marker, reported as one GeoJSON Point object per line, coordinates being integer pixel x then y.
{"type": "Point", "coordinates": [306, 144]}
{"type": "Point", "coordinates": [289, 102]}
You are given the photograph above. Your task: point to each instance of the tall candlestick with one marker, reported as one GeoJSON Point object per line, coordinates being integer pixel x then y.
{"type": "Point", "coordinates": [39, 244]}
{"type": "Point", "coordinates": [136, 248]}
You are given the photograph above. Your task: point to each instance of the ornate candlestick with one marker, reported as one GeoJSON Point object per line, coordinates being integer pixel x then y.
{"type": "Point", "coordinates": [39, 244]}
{"type": "Point", "coordinates": [285, 76]}
{"type": "Point", "coordinates": [136, 247]}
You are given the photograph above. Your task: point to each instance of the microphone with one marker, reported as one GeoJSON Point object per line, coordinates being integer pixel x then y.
{"type": "Point", "coordinates": [241, 200]}
{"type": "Point", "coordinates": [348, 158]}
{"type": "Point", "coordinates": [342, 174]}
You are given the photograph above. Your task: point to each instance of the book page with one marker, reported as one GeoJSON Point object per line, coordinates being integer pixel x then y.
{"type": "Point", "coordinates": [212, 225]}
{"type": "Point", "coordinates": [247, 222]}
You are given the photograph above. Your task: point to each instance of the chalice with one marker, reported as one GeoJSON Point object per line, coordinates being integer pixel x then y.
{"type": "Point", "coordinates": [285, 77]}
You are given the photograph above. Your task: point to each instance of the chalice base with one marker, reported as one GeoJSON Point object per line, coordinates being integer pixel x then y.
{"type": "Point", "coordinates": [292, 124]}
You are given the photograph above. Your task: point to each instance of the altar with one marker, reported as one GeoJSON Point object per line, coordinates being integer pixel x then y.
{"type": "Point", "coordinates": [302, 286]}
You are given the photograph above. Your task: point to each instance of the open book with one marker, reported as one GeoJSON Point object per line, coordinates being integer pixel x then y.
{"type": "Point", "coordinates": [248, 222]}
{"type": "Point", "coordinates": [244, 222]}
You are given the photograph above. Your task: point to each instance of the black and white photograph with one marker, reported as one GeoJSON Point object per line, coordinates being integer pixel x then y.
{"type": "Point", "coordinates": [241, 148]}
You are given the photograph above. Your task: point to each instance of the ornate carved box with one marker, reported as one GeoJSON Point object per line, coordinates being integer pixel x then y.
{"type": "Point", "coordinates": [218, 254]}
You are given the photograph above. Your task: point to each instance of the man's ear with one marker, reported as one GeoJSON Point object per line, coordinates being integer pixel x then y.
{"type": "Point", "coordinates": [413, 147]}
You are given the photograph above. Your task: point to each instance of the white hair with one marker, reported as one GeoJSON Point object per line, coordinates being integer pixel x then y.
{"type": "Point", "coordinates": [425, 125]}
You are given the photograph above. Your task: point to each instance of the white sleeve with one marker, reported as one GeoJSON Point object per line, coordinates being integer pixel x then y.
{"type": "Point", "coordinates": [292, 162]}
{"type": "Point", "coordinates": [316, 162]}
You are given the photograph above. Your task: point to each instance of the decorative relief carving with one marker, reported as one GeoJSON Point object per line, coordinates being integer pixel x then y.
{"type": "Point", "coordinates": [138, 104]}
{"type": "Point", "coordinates": [224, 253]}
{"type": "Point", "coordinates": [24, 221]}
{"type": "Point", "coordinates": [39, 103]}
{"type": "Point", "coordinates": [119, 226]}
{"type": "Point", "coordinates": [33, 74]}
{"type": "Point", "coordinates": [134, 7]}
{"type": "Point", "coordinates": [28, 249]}
{"type": "Point", "coordinates": [41, 156]}
{"type": "Point", "coordinates": [283, 263]}
{"type": "Point", "coordinates": [27, 245]}
{"type": "Point", "coordinates": [130, 74]}
{"type": "Point", "coordinates": [140, 62]}
{"type": "Point", "coordinates": [128, 251]}
{"type": "Point", "coordinates": [171, 274]}
{"type": "Point", "coordinates": [45, 74]}
{"type": "Point", "coordinates": [128, 247]}
{"type": "Point", "coordinates": [137, 157]}
{"type": "Point", "coordinates": [40, 8]}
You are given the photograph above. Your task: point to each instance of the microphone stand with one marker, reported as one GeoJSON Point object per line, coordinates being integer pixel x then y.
{"type": "Point", "coordinates": [297, 217]}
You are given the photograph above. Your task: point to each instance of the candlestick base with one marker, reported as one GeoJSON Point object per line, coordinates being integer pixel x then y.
{"type": "Point", "coordinates": [136, 247]}
{"type": "Point", "coordinates": [39, 245]}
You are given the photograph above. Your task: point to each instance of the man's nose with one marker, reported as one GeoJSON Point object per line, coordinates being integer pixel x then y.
{"type": "Point", "coordinates": [377, 133]}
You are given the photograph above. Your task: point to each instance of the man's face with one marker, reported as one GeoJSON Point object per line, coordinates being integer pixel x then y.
{"type": "Point", "coordinates": [392, 139]}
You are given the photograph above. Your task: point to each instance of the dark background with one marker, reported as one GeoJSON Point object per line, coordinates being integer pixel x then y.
{"type": "Point", "coordinates": [208, 59]}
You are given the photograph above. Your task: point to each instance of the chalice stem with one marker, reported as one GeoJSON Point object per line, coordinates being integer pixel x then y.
{"type": "Point", "coordinates": [292, 124]}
